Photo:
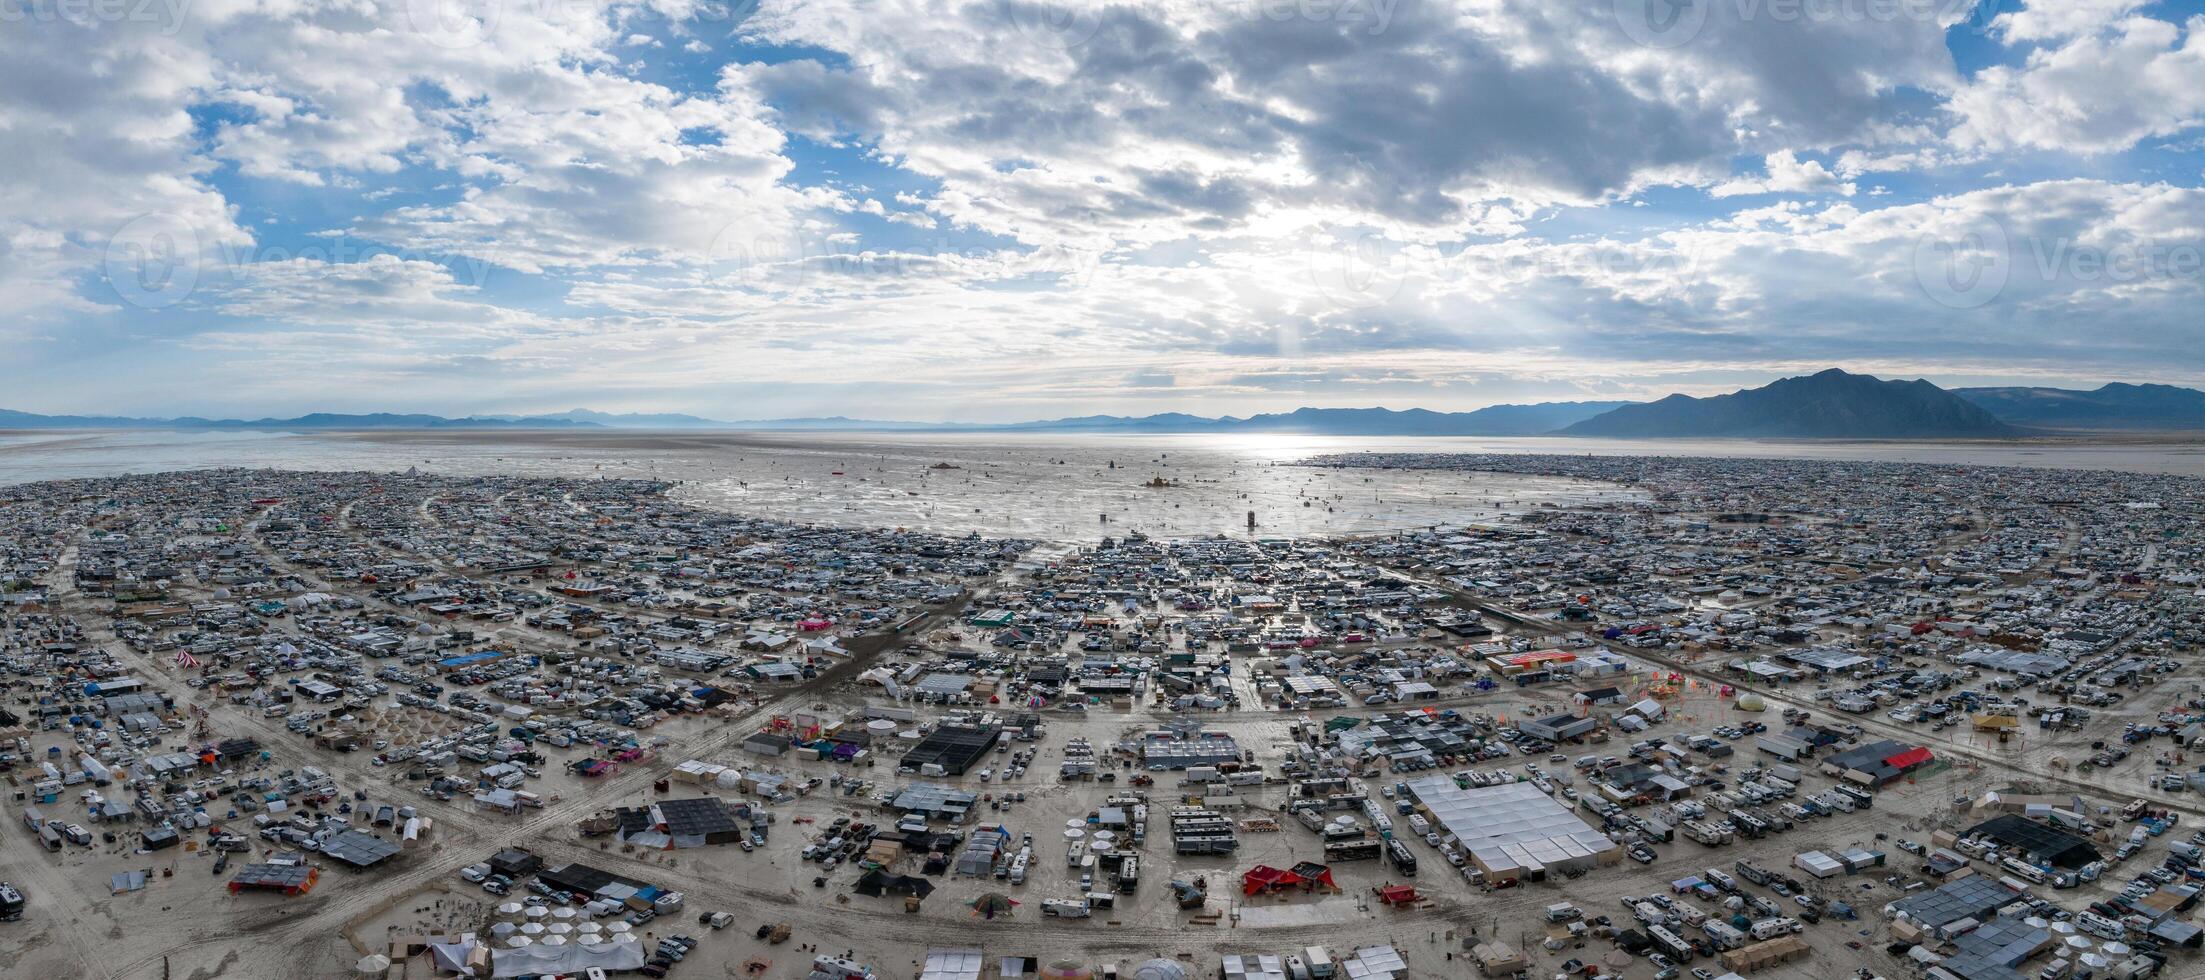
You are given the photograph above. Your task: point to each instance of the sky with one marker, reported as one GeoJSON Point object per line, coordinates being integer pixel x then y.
{"type": "Point", "coordinates": [993, 210]}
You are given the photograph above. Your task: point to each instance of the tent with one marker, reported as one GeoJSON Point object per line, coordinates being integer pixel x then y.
{"type": "Point", "coordinates": [1306, 875]}
{"type": "Point", "coordinates": [1315, 873]}
{"type": "Point", "coordinates": [1264, 877]}
{"type": "Point", "coordinates": [1397, 895]}
{"type": "Point", "coordinates": [876, 883]}
{"type": "Point", "coordinates": [993, 904]}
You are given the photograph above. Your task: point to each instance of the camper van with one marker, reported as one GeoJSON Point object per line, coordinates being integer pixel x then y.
{"type": "Point", "coordinates": [2024, 870]}
{"type": "Point", "coordinates": [1670, 943]}
{"type": "Point", "coordinates": [1771, 928]}
{"type": "Point", "coordinates": [1724, 935]}
{"type": "Point", "coordinates": [2099, 926]}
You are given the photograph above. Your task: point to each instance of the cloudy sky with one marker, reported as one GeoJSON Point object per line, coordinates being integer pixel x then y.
{"type": "Point", "coordinates": [1005, 209]}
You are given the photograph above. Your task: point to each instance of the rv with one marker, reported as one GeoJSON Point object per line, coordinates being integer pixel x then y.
{"type": "Point", "coordinates": [1670, 943]}
{"type": "Point", "coordinates": [2099, 926]}
{"type": "Point", "coordinates": [1771, 928]}
{"type": "Point", "coordinates": [1751, 872]}
{"type": "Point", "coordinates": [1724, 935]}
{"type": "Point", "coordinates": [2023, 870]}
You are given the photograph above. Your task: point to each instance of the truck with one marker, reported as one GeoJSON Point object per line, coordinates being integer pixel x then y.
{"type": "Point", "coordinates": [1319, 961]}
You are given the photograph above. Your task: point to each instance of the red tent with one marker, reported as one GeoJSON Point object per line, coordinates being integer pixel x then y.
{"type": "Point", "coordinates": [1909, 758]}
{"type": "Point", "coordinates": [1397, 894]}
{"type": "Point", "coordinates": [1264, 877]}
{"type": "Point", "coordinates": [1312, 872]}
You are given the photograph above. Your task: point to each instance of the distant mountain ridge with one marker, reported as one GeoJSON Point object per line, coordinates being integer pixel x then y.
{"type": "Point", "coordinates": [1494, 420]}
{"type": "Point", "coordinates": [2113, 406]}
{"type": "Point", "coordinates": [1497, 420]}
{"type": "Point", "coordinates": [1829, 405]}
{"type": "Point", "coordinates": [1832, 404]}
{"type": "Point", "coordinates": [315, 420]}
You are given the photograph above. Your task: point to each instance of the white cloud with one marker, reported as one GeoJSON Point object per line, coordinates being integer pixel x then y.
{"type": "Point", "coordinates": [1787, 174]}
{"type": "Point", "coordinates": [2100, 92]}
{"type": "Point", "coordinates": [2052, 20]}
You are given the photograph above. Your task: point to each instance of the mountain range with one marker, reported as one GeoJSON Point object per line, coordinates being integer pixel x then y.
{"type": "Point", "coordinates": [1829, 405]}
{"type": "Point", "coordinates": [2113, 406]}
{"type": "Point", "coordinates": [1832, 404]}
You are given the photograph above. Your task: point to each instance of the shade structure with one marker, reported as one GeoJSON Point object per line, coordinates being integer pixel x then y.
{"type": "Point", "coordinates": [993, 904]}
{"type": "Point", "coordinates": [1067, 970]}
{"type": "Point", "coordinates": [555, 940]}
{"type": "Point", "coordinates": [1074, 833]}
{"type": "Point", "coordinates": [1099, 845]}
{"type": "Point", "coordinates": [1106, 835]}
{"type": "Point", "coordinates": [536, 912]}
{"type": "Point", "coordinates": [516, 942]}
{"type": "Point", "coordinates": [373, 964]}
{"type": "Point", "coordinates": [1076, 824]}
{"type": "Point", "coordinates": [562, 929]}
{"type": "Point", "coordinates": [587, 939]}
{"type": "Point", "coordinates": [618, 926]}
{"type": "Point", "coordinates": [589, 928]}
{"type": "Point", "coordinates": [1160, 969]}
{"type": "Point", "coordinates": [532, 929]}
{"type": "Point", "coordinates": [503, 929]}
{"type": "Point", "coordinates": [564, 913]}
{"type": "Point", "coordinates": [511, 910]}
